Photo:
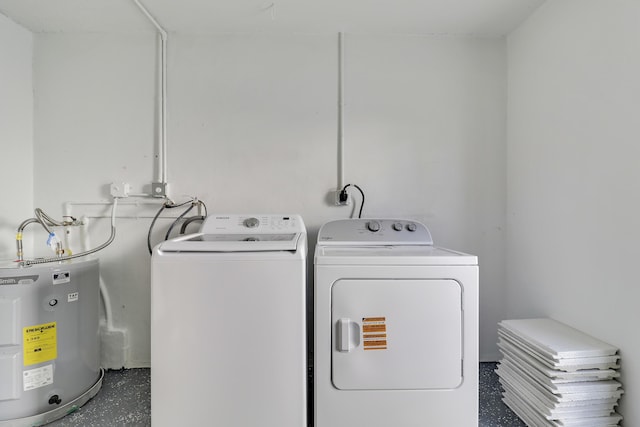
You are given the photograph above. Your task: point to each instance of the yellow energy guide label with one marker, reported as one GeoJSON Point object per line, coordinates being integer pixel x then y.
{"type": "Point", "coordinates": [40, 343]}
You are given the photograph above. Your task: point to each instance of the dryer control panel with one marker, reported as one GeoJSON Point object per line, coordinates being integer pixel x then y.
{"type": "Point", "coordinates": [371, 232]}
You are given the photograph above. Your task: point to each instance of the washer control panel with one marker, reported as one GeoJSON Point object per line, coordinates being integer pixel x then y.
{"type": "Point", "coordinates": [254, 224]}
{"type": "Point", "coordinates": [374, 232]}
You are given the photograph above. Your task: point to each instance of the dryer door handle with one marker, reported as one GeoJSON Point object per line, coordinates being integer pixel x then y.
{"type": "Point", "coordinates": [347, 334]}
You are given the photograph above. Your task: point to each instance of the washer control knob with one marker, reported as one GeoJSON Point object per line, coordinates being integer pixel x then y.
{"type": "Point", "coordinates": [411, 227]}
{"type": "Point", "coordinates": [251, 222]}
{"type": "Point", "coordinates": [373, 226]}
{"type": "Point", "coordinates": [397, 226]}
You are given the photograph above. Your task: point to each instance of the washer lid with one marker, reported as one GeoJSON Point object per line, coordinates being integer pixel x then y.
{"type": "Point", "coordinates": [201, 242]}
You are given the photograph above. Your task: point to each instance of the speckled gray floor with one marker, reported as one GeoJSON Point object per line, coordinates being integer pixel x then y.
{"type": "Point", "coordinates": [125, 400]}
{"type": "Point", "coordinates": [493, 412]}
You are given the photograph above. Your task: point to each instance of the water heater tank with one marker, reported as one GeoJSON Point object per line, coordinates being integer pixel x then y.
{"type": "Point", "coordinates": [49, 340]}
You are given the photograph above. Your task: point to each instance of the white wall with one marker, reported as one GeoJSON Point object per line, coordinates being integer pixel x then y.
{"type": "Point", "coordinates": [252, 128]}
{"type": "Point", "coordinates": [573, 175]}
{"type": "Point", "coordinates": [16, 133]}
{"type": "Point", "coordinates": [426, 118]}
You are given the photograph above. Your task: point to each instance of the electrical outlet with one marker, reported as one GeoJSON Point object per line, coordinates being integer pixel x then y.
{"type": "Point", "coordinates": [120, 189]}
{"type": "Point", "coordinates": [341, 202]}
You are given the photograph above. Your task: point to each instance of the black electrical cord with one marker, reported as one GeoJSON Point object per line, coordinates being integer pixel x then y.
{"type": "Point", "coordinates": [343, 193]}
{"type": "Point", "coordinates": [155, 218]}
{"type": "Point", "coordinates": [166, 205]}
{"type": "Point", "coordinates": [173, 224]}
{"type": "Point", "coordinates": [189, 220]}
{"type": "Point", "coordinates": [169, 205]}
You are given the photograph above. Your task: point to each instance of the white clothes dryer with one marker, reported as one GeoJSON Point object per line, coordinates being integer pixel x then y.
{"type": "Point", "coordinates": [396, 328]}
{"type": "Point", "coordinates": [228, 332]}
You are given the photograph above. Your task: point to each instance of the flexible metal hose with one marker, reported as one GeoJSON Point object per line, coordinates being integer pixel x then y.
{"type": "Point", "coordinates": [80, 254]}
{"type": "Point", "coordinates": [21, 228]}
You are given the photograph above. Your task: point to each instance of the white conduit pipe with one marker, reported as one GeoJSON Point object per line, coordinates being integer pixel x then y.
{"type": "Point", "coordinates": [85, 246]}
{"type": "Point", "coordinates": [340, 111]}
{"type": "Point", "coordinates": [162, 96]}
{"type": "Point", "coordinates": [104, 292]}
{"type": "Point", "coordinates": [106, 300]}
{"type": "Point", "coordinates": [68, 207]}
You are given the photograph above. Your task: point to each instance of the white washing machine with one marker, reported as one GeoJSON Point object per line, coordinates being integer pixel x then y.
{"type": "Point", "coordinates": [396, 328]}
{"type": "Point", "coordinates": [228, 344]}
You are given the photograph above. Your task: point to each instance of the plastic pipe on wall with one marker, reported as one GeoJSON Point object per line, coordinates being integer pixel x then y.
{"type": "Point", "coordinates": [340, 111]}
{"type": "Point", "coordinates": [85, 247]}
{"type": "Point", "coordinates": [162, 96]}
{"type": "Point", "coordinates": [68, 208]}
{"type": "Point", "coordinates": [104, 293]}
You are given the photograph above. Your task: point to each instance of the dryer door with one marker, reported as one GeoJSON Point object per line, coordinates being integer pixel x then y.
{"type": "Point", "coordinates": [396, 334]}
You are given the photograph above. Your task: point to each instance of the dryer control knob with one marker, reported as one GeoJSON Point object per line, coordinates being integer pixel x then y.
{"type": "Point", "coordinates": [373, 226]}
{"type": "Point", "coordinates": [397, 226]}
{"type": "Point", "coordinates": [251, 222]}
{"type": "Point", "coordinates": [411, 227]}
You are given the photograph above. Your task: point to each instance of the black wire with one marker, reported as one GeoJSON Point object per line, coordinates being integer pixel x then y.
{"type": "Point", "coordinates": [189, 220]}
{"type": "Point", "coordinates": [155, 218]}
{"type": "Point", "coordinates": [173, 224]}
{"type": "Point", "coordinates": [361, 192]}
{"type": "Point", "coordinates": [193, 218]}
{"type": "Point", "coordinates": [170, 205]}
{"type": "Point", "coordinates": [205, 208]}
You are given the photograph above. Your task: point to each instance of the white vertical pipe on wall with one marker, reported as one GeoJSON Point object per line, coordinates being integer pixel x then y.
{"type": "Point", "coordinates": [340, 111]}
{"type": "Point", "coordinates": [162, 96]}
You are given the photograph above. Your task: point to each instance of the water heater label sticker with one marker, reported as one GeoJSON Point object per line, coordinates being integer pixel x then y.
{"type": "Point", "coordinates": [374, 333]}
{"type": "Point", "coordinates": [36, 378]}
{"type": "Point", "coordinates": [73, 296]}
{"type": "Point", "coordinates": [40, 343]}
{"type": "Point", "coordinates": [61, 277]}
